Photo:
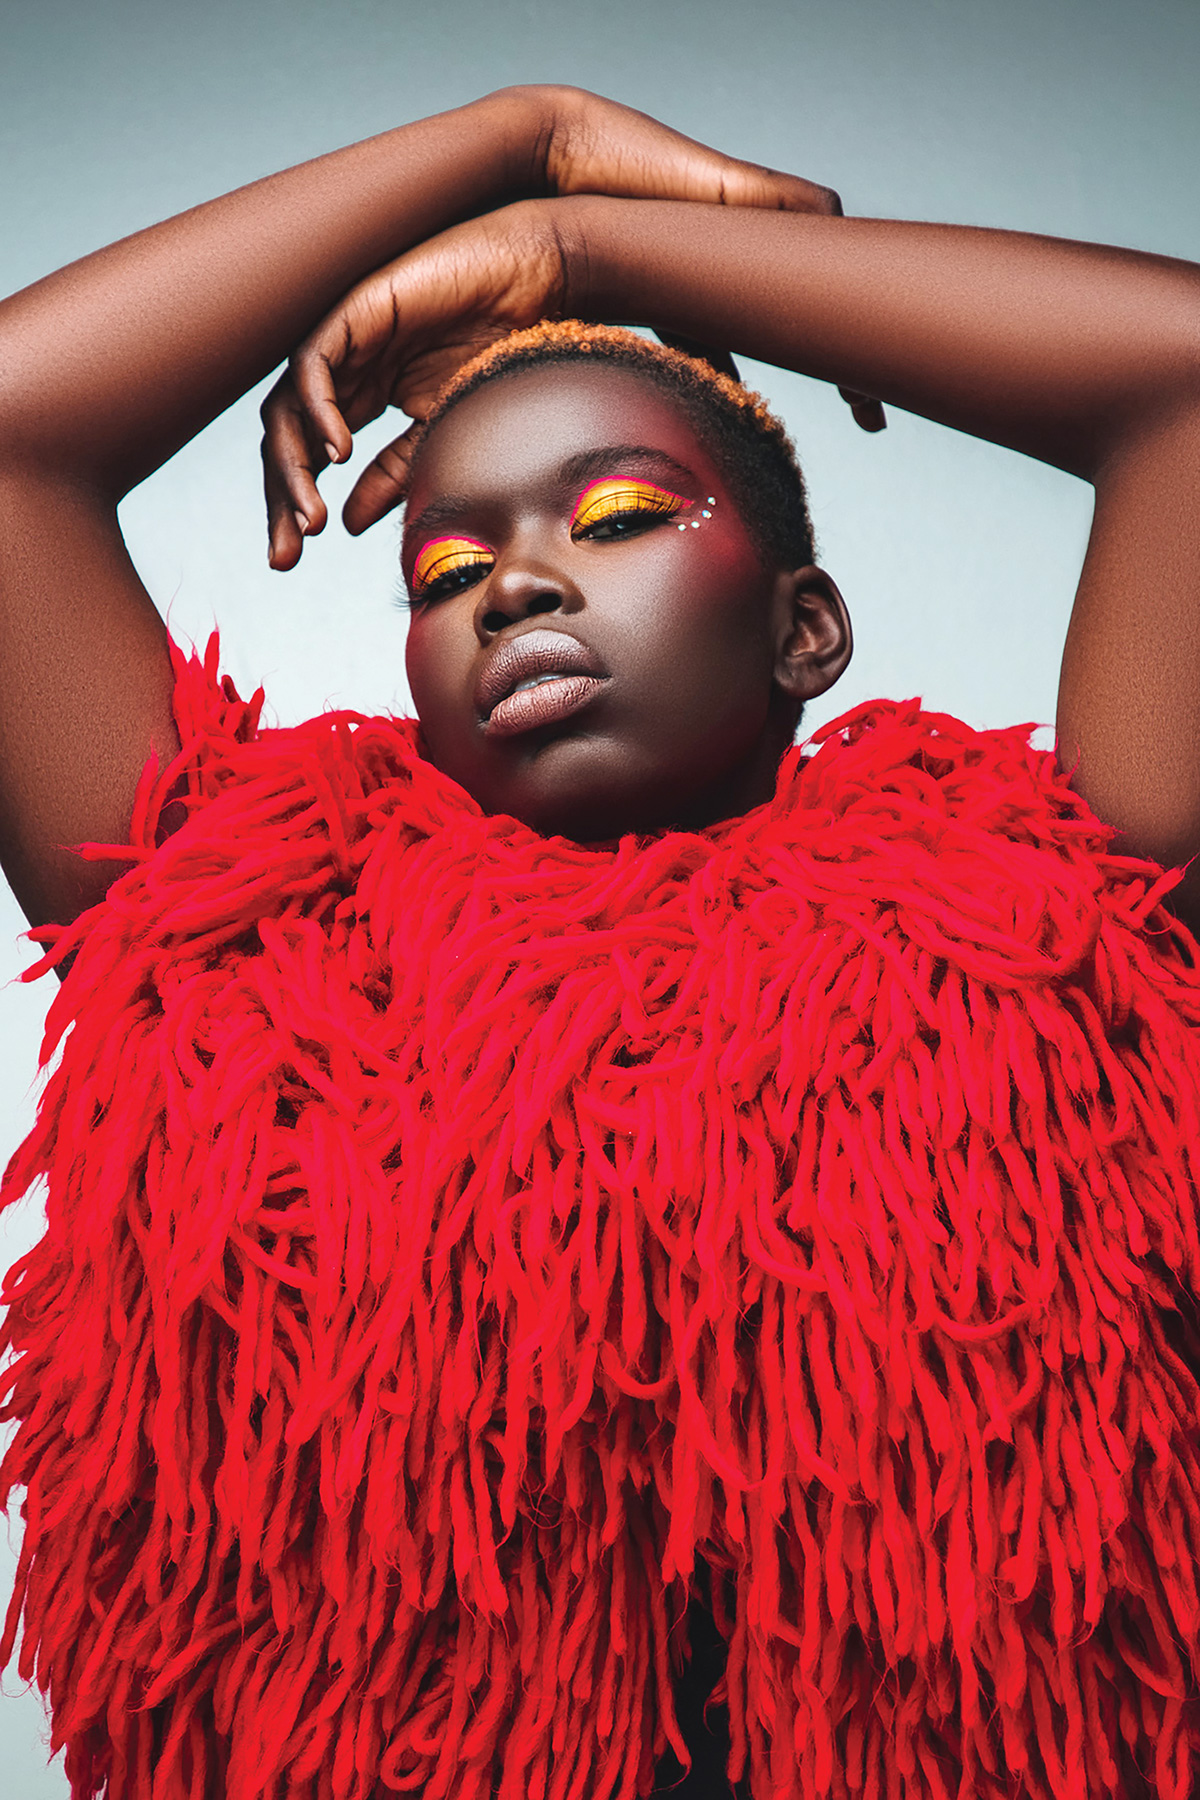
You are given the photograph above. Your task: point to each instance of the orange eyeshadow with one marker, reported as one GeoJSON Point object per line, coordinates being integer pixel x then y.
{"type": "Point", "coordinates": [444, 555]}
{"type": "Point", "coordinates": [607, 498]}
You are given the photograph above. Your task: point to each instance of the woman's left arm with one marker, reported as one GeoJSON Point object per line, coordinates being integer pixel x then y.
{"type": "Point", "coordinates": [1083, 356]}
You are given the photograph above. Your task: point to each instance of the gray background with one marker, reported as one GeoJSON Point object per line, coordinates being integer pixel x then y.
{"type": "Point", "coordinates": [1074, 117]}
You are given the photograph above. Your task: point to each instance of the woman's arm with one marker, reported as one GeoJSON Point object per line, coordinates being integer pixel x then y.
{"type": "Point", "coordinates": [1082, 356]}
{"type": "Point", "coordinates": [1085, 357]}
{"type": "Point", "coordinates": [109, 366]}
{"type": "Point", "coordinates": [106, 368]}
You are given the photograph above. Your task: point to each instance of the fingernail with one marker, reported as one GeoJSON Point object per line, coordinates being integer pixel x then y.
{"type": "Point", "coordinates": [301, 521]}
{"type": "Point", "coordinates": [332, 452]}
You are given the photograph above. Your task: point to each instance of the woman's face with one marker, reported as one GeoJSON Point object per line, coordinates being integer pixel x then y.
{"type": "Point", "coordinates": [595, 644]}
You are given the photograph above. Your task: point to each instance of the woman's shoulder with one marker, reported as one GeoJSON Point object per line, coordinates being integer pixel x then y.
{"type": "Point", "coordinates": [898, 771]}
{"type": "Point", "coordinates": [972, 842]}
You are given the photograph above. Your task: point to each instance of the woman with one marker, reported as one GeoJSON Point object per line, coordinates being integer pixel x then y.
{"type": "Point", "coordinates": [472, 1237]}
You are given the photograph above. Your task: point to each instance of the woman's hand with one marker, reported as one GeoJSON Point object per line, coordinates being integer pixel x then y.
{"type": "Point", "coordinates": [595, 146]}
{"type": "Point", "coordinates": [394, 341]}
{"type": "Point", "coordinates": [590, 145]}
{"type": "Point", "coordinates": [400, 334]}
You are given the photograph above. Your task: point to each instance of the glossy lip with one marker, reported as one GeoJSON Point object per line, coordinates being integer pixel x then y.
{"type": "Point", "coordinates": [537, 652]}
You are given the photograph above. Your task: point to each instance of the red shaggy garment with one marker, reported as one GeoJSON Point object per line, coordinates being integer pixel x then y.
{"type": "Point", "coordinates": [457, 1238]}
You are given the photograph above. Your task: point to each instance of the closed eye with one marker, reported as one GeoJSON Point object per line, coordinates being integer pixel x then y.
{"type": "Point", "coordinates": [446, 565]}
{"type": "Point", "coordinates": [615, 508]}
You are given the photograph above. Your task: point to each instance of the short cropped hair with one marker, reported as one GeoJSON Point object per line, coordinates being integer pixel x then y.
{"type": "Point", "coordinates": [747, 442]}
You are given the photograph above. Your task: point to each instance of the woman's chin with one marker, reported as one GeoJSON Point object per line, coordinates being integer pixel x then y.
{"type": "Point", "coordinates": [594, 788]}
{"type": "Point", "coordinates": [602, 816]}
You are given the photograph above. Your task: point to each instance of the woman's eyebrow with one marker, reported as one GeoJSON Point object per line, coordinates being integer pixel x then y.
{"type": "Point", "coordinates": [447, 509]}
{"type": "Point", "coordinates": [608, 457]}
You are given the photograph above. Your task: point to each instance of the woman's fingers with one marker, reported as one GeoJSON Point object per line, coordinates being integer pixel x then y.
{"type": "Point", "coordinates": [868, 414]}
{"type": "Point", "coordinates": [382, 485]}
{"type": "Point", "coordinates": [735, 183]}
{"type": "Point", "coordinates": [347, 371]}
{"type": "Point", "coordinates": [291, 464]}
{"type": "Point", "coordinates": [597, 146]}
{"type": "Point", "coordinates": [312, 371]}
{"type": "Point", "coordinates": [304, 430]}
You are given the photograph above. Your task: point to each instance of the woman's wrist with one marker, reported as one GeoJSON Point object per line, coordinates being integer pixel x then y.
{"type": "Point", "coordinates": [621, 261]}
{"type": "Point", "coordinates": [481, 155]}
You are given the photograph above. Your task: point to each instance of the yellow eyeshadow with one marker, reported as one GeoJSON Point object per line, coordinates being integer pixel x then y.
{"type": "Point", "coordinates": [606, 499]}
{"type": "Point", "coordinates": [444, 556]}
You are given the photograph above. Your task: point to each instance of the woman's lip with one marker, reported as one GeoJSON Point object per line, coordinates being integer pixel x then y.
{"type": "Point", "coordinates": [542, 650]}
{"type": "Point", "coordinates": [546, 704]}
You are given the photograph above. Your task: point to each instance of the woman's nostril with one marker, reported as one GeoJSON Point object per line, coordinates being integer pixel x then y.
{"type": "Point", "coordinates": [547, 601]}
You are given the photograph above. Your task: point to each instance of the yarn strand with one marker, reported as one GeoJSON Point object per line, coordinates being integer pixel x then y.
{"type": "Point", "coordinates": [464, 1249]}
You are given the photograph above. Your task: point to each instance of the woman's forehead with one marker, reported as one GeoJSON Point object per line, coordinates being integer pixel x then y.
{"type": "Point", "coordinates": [531, 422]}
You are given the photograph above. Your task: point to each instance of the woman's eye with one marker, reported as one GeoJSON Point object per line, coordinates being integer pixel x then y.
{"type": "Point", "coordinates": [447, 565]}
{"type": "Point", "coordinates": [614, 509]}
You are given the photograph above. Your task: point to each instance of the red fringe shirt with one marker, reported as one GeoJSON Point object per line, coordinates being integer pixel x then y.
{"type": "Point", "coordinates": [458, 1237]}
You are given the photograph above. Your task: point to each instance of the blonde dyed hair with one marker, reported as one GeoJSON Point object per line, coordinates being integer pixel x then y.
{"type": "Point", "coordinates": [748, 441]}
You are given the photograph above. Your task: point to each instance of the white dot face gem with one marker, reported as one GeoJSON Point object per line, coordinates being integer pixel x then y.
{"type": "Point", "coordinates": [711, 500]}
{"type": "Point", "coordinates": [704, 513]}
{"type": "Point", "coordinates": [695, 524]}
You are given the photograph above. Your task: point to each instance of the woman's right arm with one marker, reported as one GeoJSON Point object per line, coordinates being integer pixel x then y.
{"type": "Point", "coordinates": [109, 366]}
{"type": "Point", "coordinates": [106, 369]}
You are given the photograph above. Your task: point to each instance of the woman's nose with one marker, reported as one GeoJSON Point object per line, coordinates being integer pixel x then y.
{"type": "Point", "coordinates": [522, 588]}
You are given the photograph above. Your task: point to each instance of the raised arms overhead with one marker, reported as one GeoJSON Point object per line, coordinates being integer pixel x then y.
{"type": "Point", "coordinates": [1085, 357]}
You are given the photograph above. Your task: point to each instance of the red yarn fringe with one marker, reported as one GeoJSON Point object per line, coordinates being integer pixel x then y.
{"type": "Point", "coordinates": [456, 1237]}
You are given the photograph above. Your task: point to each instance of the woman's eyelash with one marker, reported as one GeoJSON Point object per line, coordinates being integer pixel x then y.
{"type": "Point", "coordinates": [408, 599]}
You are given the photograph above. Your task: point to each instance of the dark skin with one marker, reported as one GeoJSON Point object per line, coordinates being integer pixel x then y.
{"type": "Point", "coordinates": [110, 365]}
{"type": "Point", "coordinates": [391, 262]}
{"type": "Point", "coordinates": [707, 653]}
{"type": "Point", "coordinates": [1083, 356]}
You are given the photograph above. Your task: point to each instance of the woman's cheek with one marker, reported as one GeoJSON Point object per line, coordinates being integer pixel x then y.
{"type": "Point", "coordinates": [436, 666]}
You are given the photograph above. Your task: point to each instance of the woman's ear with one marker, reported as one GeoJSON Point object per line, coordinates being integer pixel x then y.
{"type": "Point", "coordinates": [814, 641]}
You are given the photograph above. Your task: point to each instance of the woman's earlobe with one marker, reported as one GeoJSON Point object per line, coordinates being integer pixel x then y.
{"type": "Point", "coordinates": [815, 640]}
